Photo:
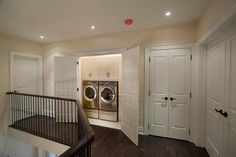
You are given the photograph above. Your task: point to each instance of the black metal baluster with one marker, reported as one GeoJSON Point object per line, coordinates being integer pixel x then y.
{"type": "Point", "coordinates": [18, 111]}
{"type": "Point", "coordinates": [48, 115]}
{"type": "Point", "coordinates": [32, 118]}
{"type": "Point", "coordinates": [72, 122]}
{"type": "Point", "coordinates": [21, 111]}
{"type": "Point", "coordinates": [55, 115]}
{"type": "Point", "coordinates": [64, 119]}
{"type": "Point", "coordinates": [68, 120]}
{"type": "Point", "coordinates": [50, 120]}
{"type": "Point", "coordinates": [30, 104]}
{"type": "Point", "coordinates": [11, 115]}
{"type": "Point", "coordinates": [13, 109]}
{"type": "Point", "coordinates": [46, 120]}
{"type": "Point", "coordinates": [89, 150]}
{"type": "Point", "coordinates": [37, 113]}
{"type": "Point", "coordinates": [60, 119]}
{"type": "Point", "coordinates": [20, 122]}
{"type": "Point", "coordinates": [41, 116]}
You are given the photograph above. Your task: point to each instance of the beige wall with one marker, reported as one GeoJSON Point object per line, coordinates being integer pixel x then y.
{"type": "Point", "coordinates": [177, 34]}
{"type": "Point", "coordinates": [215, 11]}
{"type": "Point", "coordinates": [101, 68]}
{"type": "Point", "coordinates": [8, 43]}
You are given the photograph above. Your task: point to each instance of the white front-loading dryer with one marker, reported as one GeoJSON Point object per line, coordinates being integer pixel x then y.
{"type": "Point", "coordinates": [108, 100]}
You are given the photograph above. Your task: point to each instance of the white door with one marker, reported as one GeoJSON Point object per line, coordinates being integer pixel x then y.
{"type": "Point", "coordinates": [65, 77]}
{"type": "Point", "coordinates": [179, 109]}
{"type": "Point", "coordinates": [169, 93]}
{"type": "Point", "coordinates": [215, 99]}
{"type": "Point", "coordinates": [26, 73]}
{"type": "Point", "coordinates": [230, 103]}
{"type": "Point", "coordinates": [130, 94]}
{"type": "Point", "coordinates": [65, 86]}
{"type": "Point", "coordinates": [159, 91]}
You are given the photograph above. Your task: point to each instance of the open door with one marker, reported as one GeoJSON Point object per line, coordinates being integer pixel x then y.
{"type": "Point", "coordinates": [65, 85]}
{"type": "Point", "coordinates": [130, 94]}
{"type": "Point", "coordinates": [65, 77]}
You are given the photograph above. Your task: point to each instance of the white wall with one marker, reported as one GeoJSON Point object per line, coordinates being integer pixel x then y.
{"type": "Point", "coordinates": [7, 44]}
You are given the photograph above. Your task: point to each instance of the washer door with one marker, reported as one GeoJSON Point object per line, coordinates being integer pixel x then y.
{"type": "Point", "coordinates": [90, 93]}
{"type": "Point", "coordinates": [107, 95]}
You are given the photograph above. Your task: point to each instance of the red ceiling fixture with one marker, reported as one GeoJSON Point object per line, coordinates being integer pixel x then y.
{"type": "Point", "coordinates": [128, 22]}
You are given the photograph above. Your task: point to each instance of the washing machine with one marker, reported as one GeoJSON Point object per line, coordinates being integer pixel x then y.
{"type": "Point", "coordinates": [90, 98]}
{"type": "Point", "coordinates": [108, 100]}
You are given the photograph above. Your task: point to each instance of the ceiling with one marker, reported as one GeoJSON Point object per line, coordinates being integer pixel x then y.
{"type": "Point", "coordinates": [59, 20]}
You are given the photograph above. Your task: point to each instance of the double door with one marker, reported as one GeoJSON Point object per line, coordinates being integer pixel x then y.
{"type": "Point", "coordinates": [169, 84]}
{"type": "Point", "coordinates": [220, 135]}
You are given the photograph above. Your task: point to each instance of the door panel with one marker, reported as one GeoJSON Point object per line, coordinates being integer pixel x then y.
{"type": "Point", "coordinates": [180, 92]}
{"type": "Point", "coordinates": [230, 105]}
{"type": "Point", "coordinates": [130, 94]}
{"type": "Point", "coordinates": [169, 77]}
{"type": "Point", "coordinates": [215, 99]}
{"type": "Point", "coordinates": [159, 88]}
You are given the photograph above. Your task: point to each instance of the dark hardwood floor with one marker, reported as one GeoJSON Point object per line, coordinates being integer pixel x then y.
{"type": "Point", "coordinates": [113, 143]}
{"type": "Point", "coordinates": [109, 142]}
{"type": "Point", "coordinates": [47, 127]}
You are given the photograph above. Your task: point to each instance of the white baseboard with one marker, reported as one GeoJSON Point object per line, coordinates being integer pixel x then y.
{"type": "Point", "coordinates": [108, 124]}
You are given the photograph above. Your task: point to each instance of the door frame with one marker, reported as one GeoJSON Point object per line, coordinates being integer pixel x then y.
{"type": "Point", "coordinates": [191, 46]}
{"type": "Point", "coordinates": [25, 54]}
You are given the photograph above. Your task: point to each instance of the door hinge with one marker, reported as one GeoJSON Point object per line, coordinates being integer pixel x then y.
{"type": "Point", "coordinates": [148, 126]}
{"type": "Point", "coordinates": [77, 89]}
{"type": "Point", "coordinates": [77, 62]}
{"type": "Point", "coordinates": [189, 132]}
{"type": "Point", "coordinates": [149, 59]}
{"type": "Point", "coordinates": [191, 57]}
{"type": "Point", "coordinates": [149, 93]}
{"type": "Point", "coordinates": [190, 95]}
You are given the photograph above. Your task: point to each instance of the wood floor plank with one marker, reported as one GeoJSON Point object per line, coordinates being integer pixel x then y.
{"type": "Point", "coordinates": [113, 143]}
{"type": "Point", "coordinates": [110, 142]}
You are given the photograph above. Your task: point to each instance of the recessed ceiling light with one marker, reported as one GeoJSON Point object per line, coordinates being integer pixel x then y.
{"type": "Point", "coordinates": [168, 13]}
{"type": "Point", "coordinates": [92, 27]}
{"type": "Point", "coordinates": [41, 37]}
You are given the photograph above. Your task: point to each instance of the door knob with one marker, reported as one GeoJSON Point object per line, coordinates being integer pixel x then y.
{"type": "Point", "coordinates": [225, 114]}
{"type": "Point", "coordinates": [165, 98]}
{"type": "Point", "coordinates": [171, 98]}
{"type": "Point", "coordinates": [219, 111]}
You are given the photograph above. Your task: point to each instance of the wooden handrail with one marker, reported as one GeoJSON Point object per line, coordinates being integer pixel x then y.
{"type": "Point", "coordinates": [85, 134]}
{"type": "Point", "coordinates": [42, 96]}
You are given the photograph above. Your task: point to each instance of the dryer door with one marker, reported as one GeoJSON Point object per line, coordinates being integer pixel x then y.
{"type": "Point", "coordinates": [108, 96]}
{"type": "Point", "coordinates": [90, 93]}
